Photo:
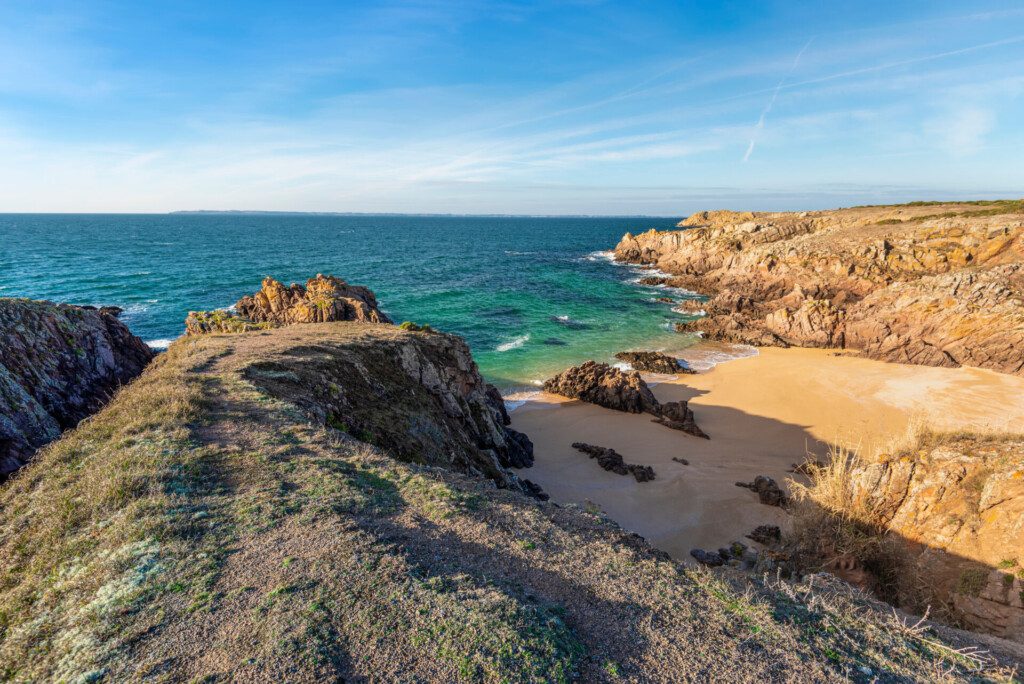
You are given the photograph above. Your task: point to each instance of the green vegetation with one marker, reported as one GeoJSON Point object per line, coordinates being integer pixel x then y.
{"type": "Point", "coordinates": [414, 327]}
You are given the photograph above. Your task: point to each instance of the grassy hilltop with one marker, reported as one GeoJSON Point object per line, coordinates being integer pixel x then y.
{"type": "Point", "coordinates": [200, 529]}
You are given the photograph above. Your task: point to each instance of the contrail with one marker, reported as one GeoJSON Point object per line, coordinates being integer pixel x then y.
{"type": "Point", "coordinates": [775, 94]}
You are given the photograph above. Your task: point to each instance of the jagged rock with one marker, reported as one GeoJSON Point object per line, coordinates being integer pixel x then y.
{"type": "Point", "coordinates": [709, 558]}
{"type": "Point", "coordinates": [678, 416]}
{"type": "Point", "coordinates": [322, 300]}
{"type": "Point", "coordinates": [58, 364]}
{"type": "Point", "coordinates": [766, 534]}
{"type": "Point", "coordinates": [604, 385]}
{"type": "Point", "coordinates": [652, 362]}
{"type": "Point", "coordinates": [768, 491]}
{"type": "Point", "coordinates": [611, 460]}
{"type": "Point", "coordinates": [939, 285]}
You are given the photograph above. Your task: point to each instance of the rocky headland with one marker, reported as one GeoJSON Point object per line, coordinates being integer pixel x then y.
{"type": "Point", "coordinates": [299, 491]}
{"type": "Point", "coordinates": [58, 365]}
{"type": "Point", "coordinates": [928, 283]}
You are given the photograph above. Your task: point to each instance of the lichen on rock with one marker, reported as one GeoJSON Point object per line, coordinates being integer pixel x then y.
{"type": "Point", "coordinates": [59, 364]}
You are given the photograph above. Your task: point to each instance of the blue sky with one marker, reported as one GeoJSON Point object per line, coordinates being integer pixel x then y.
{"type": "Point", "coordinates": [507, 107]}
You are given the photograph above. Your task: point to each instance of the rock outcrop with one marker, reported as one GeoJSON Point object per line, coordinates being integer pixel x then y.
{"type": "Point", "coordinates": [929, 284]}
{"type": "Point", "coordinates": [408, 389]}
{"type": "Point", "coordinates": [768, 491]}
{"type": "Point", "coordinates": [612, 461]}
{"type": "Point", "coordinates": [58, 365]}
{"type": "Point", "coordinates": [323, 299]}
{"type": "Point", "coordinates": [417, 395]}
{"type": "Point", "coordinates": [679, 416]}
{"type": "Point", "coordinates": [604, 385]}
{"type": "Point", "coordinates": [950, 515]}
{"type": "Point", "coordinates": [653, 362]}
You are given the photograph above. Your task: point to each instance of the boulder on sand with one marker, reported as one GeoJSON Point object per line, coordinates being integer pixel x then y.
{"type": "Point", "coordinates": [767, 490]}
{"type": "Point", "coordinates": [611, 460]}
{"type": "Point", "coordinates": [604, 385]}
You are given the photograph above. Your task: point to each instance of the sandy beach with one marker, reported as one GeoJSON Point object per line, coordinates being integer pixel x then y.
{"type": "Point", "coordinates": [763, 413]}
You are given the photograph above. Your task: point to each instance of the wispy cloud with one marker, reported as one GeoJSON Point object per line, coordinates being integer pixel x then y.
{"type": "Point", "coordinates": [771, 102]}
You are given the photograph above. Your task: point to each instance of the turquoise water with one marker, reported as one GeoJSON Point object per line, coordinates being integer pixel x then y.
{"type": "Point", "coordinates": [530, 295]}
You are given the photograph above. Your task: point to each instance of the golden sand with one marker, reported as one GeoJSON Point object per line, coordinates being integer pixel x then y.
{"type": "Point", "coordinates": [763, 414]}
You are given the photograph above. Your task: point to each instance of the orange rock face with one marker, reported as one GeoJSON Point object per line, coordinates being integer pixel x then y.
{"type": "Point", "coordinates": [322, 300]}
{"type": "Point", "coordinates": [958, 509]}
{"type": "Point", "coordinates": [935, 284]}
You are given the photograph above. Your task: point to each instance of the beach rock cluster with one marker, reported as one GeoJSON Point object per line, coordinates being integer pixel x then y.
{"type": "Point", "coordinates": [612, 461]}
{"type": "Point", "coordinates": [604, 385]}
{"type": "Point", "coordinates": [323, 299]}
{"type": "Point", "coordinates": [58, 365]}
{"type": "Point", "coordinates": [929, 284]}
{"type": "Point", "coordinates": [653, 362]}
{"type": "Point", "coordinates": [768, 491]}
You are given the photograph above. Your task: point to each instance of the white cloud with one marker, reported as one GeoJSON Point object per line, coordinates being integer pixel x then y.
{"type": "Point", "coordinates": [962, 130]}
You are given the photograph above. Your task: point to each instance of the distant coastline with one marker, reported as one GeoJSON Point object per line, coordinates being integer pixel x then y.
{"type": "Point", "coordinates": [254, 212]}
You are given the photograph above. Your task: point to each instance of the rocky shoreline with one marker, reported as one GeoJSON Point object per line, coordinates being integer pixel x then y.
{"type": "Point", "coordinates": [931, 284]}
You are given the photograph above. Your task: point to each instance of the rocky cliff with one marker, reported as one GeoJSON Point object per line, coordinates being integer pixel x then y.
{"type": "Point", "coordinates": [416, 395]}
{"type": "Point", "coordinates": [58, 364]}
{"type": "Point", "coordinates": [321, 300]}
{"type": "Point", "coordinates": [936, 284]}
{"type": "Point", "coordinates": [940, 525]}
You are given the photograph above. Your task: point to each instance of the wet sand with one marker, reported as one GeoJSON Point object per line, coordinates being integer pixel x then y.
{"type": "Point", "coordinates": [763, 413]}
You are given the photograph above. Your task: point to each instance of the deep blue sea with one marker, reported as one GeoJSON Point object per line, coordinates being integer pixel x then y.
{"type": "Point", "coordinates": [530, 295]}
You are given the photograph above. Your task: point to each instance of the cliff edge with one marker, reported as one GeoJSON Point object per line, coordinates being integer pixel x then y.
{"type": "Point", "coordinates": [58, 365]}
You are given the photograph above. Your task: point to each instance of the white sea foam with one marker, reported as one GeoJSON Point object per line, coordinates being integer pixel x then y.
{"type": "Point", "coordinates": [517, 399]}
{"type": "Point", "coordinates": [623, 366]}
{"type": "Point", "coordinates": [702, 360]}
{"type": "Point", "coordinates": [512, 344]}
{"type": "Point", "coordinates": [158, 345]}
{"type": "Point", "coordinates": [134, 309]}
{"type": "Point", "coordinates": [680, 310]}
{"type": "Point", "coordinates": [601, 256]}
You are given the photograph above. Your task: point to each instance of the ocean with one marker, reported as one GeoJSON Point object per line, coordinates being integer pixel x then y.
{"type": "Point", "coordinates": [531, 296]}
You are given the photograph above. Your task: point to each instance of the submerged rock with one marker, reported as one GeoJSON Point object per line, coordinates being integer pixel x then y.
{"type": "Point", "coordinates": [611, 460]}
{"type": "Point", "coordinates": [323, 299]}
{"type": "Point", "coordinates": [58, 365]}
